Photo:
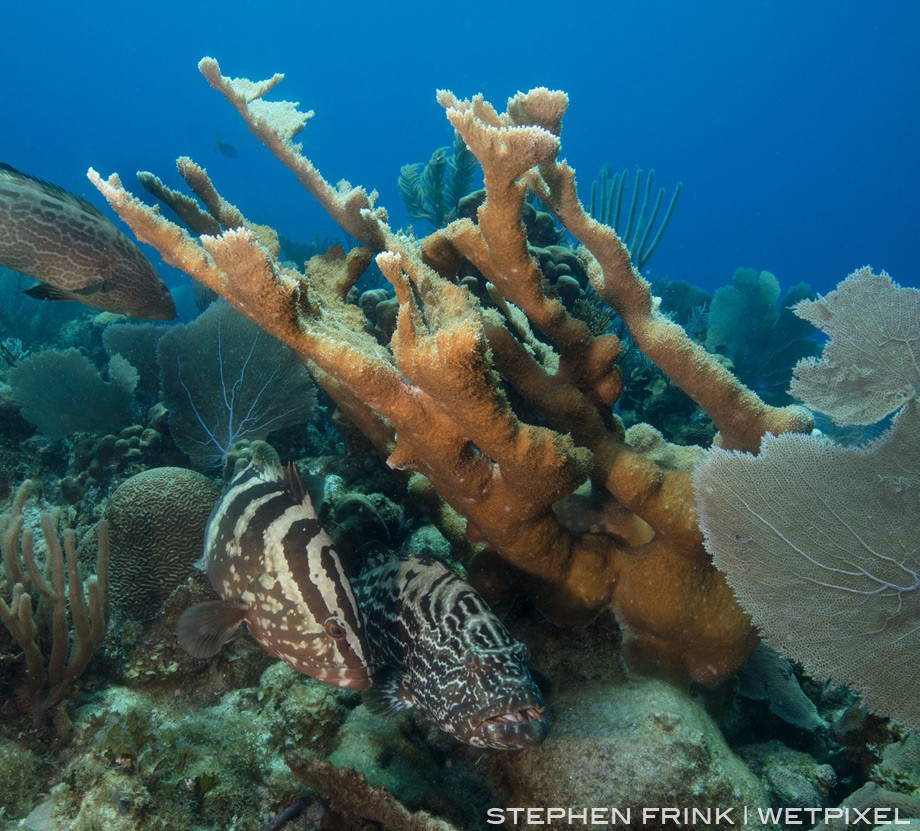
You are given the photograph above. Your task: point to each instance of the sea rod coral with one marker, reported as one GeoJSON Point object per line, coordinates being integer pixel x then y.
{"type": "Point", "coordinates": [54, 657]}
{"type": "Point", "coordinates": [502, 425]}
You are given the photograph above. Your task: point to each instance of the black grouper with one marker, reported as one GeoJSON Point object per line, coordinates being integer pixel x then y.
{"type": "Point", "coordinates": [65, 242]}
{"type": "Point", "coordinates": [436, 645]}
{"type": "Point", "coordinates": [267, 556]}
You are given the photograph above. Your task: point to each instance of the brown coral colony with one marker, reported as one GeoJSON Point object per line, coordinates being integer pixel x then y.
{"type": "Point", "coordinates": [434, 400]}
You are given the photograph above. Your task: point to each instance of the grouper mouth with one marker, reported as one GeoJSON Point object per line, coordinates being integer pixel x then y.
{"type": "Point", "coordinates": [513, 729]}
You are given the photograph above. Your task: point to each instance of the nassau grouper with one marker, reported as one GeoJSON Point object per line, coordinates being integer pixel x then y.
{"type": "Point", "coordinates": [276, 569]}
{"type": "Point", "coordinates": [76, 253]}
{"type": "Point", "coordinates": [437, 645]}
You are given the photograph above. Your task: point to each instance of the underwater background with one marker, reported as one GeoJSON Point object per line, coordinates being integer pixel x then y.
{"type": "Point", "coordinates": [594, 464]}
{"type": "Point", "coordinates": [792, 126]}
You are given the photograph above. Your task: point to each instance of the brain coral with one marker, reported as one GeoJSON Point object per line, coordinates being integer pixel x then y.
{"type": "Point", "coordinates": [156, 530]}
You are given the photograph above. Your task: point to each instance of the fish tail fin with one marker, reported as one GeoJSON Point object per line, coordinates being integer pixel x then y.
{"type": "Point", "coordinates": [205, 628]}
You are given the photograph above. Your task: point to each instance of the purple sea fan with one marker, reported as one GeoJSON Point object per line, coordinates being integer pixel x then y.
{"type": "Point", "coordinates": [818, 541]}
{"type": "Point", "coordinates": [225, 379]}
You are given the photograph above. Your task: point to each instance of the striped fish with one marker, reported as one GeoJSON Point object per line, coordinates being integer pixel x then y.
{"type": "Point", "coordinates": [437, 646]}
{"type": "Point", "coordinates": [76, 253]}
{"type": "Point", "coordinates": [278, 574]}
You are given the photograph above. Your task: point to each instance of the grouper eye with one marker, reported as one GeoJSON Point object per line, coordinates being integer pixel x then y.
{"type": "Point", "coordinates": [470, 660]}
{"type": "Point", "coordinates": [334, 629]}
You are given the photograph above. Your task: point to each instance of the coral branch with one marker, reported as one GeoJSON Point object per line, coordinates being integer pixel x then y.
{"type": "Point", "coordinates": [276, 123]}
{"type": "Point", "coordinates": [45, 685]}
{"type": "Point", "coordinates": [742, 418]}
{"type": "Point", "coordinates": [504, 421]}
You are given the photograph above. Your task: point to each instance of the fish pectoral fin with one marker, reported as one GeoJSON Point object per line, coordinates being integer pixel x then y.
{"type": "Point", "coordinates": [42, 291]}
{"type": "Point", "coordinates": [91, 289]}
{"type": "Point", "coordinates": [204, 629]}
{"type": "Point", "coordinates": [390, 693]}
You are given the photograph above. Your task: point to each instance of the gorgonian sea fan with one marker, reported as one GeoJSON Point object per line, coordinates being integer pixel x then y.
{"type": "Point", "coordinates": [224, 379]}
{"type": "Point", "coordinates": [818, 541]}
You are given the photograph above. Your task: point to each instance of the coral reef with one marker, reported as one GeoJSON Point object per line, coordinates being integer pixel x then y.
{"type": "Point", "coordinates": [869, 367]}
{"type": "Point", "coordinates": [225, 380]}
{"type": "Point", "coordinates": [24, 774]}
{"type": "Point", "coordinates": [634, 744]}
{"type": "Point", "coordinates": [154, 767]}
{"type": "Point", "coordinates": [756, 330]}
{"type": "Point", "coordinates": [185, 756]}
{"type": "Point", "coordinates": [871, 796]}
{"type": "Point", "coordinates": [899, 767]}
{"type": "Point", "coordinates": [62, 392]}
{"type": "Point", "coordinates": [619, 741]}
{"type": "Point", "coordinates": [137, 343]}
{"type": "Point", "coordinates": [104, 462]}
{"type": "Point", "coordinates": [156, 531]}
{"type": "Point", "coordinates": [649, 396]}
{"type": "Point", "coordinates": [434, 401]}
{"type": "Point", "coordinates": [635, 225]}
{"type": "Point", "coordinates": [792, 779]}
{"type": "Point", "coordinates": [362, 805]}
{"type": "Point", "coordinates": [433, 192]}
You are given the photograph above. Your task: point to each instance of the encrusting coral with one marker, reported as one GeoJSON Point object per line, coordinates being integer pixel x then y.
{"type": "Point", "coordinates": [54, 657]}
{"type": "Point", "coordinates": [435, 401]}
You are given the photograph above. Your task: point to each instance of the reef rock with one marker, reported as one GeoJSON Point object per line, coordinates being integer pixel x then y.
{"type": "Point", "coordinates": [618, 742]}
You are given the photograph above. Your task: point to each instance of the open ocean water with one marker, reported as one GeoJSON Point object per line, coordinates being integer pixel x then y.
{"type": "Point", "coordinates": [792, 126]}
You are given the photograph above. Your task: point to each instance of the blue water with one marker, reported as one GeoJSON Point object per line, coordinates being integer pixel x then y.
{"type": "Point", "coordinates": [794, 127]}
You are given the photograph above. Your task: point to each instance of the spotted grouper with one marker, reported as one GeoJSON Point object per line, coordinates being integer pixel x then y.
{"type": "Point", "coordinates": [76, 253]}
{"type": "Point", "coordinates": [437, 646]}
{"type": "Point", "coordinates": [280, 577]}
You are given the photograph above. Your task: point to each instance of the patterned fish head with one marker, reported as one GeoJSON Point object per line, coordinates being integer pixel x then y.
{"type": "Point", "coordinates": [325, 643]}
{"type": "Point", "coordinates": [484, 694]}
{"type": "Point", "coordinates": [265, 549]}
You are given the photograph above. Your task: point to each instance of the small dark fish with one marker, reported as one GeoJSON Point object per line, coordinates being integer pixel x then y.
{"type": "Point", "coordinates": [225, 147]}
{"type": "Point", "coordinates": [438, 646]}
{"type": "Point", "coordinates": [276, 569]}
{"type": "Point", "coordinates": [76, 253]}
